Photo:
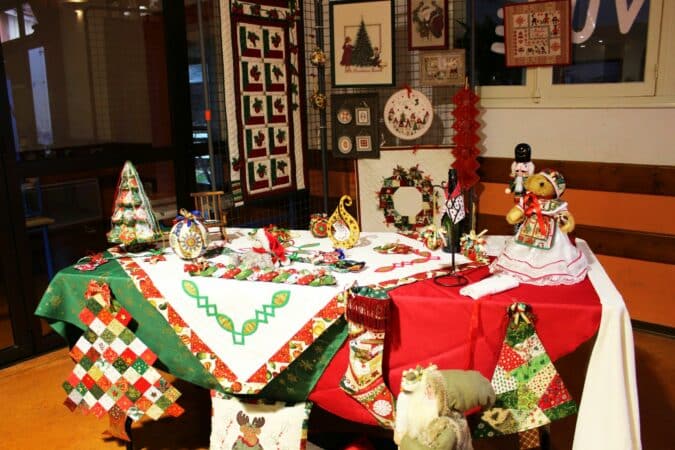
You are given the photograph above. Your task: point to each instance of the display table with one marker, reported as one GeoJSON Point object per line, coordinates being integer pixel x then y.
{"type": "Point", "coordinates": [293, 348]}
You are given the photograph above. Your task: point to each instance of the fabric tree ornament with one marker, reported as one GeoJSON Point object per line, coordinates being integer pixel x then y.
{"type": "Point", "coordinates": [530, 392]}
{"type": "Point", "coordinates": [113, 372]}
{"type": "Point", "coordinates": [133, 221]}
{"type": "Point", "coordinates": [367, 313]}
{"type": "Point", "coordinates": [466, 136]}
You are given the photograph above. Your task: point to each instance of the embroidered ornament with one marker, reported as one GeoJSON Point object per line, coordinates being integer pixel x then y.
{"type": "Point", "coordinates": [431, 237]}
{"type": "Point", "coordinates": [343, 230]}
{"type": "Point", "coordinates": [188, 236]}
{"type": "Point", "coordinates": [318, 225]}
{"type": "Point", "coordinates": [317, 57]}
{"type": "Point", "coordinates": [89, 263]}
{"type": "Point", "coordinates": [408, 114]}
{"type": "Point", "coordinates": [474, 246]}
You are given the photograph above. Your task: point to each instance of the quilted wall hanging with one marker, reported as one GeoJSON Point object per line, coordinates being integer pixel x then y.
{"type": "Point", "coordinates": [372, 173]}
{"type": "Point", "coordinates": [263, 95]}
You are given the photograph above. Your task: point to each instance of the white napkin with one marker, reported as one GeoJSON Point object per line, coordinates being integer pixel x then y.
{"type": "Point", "coordinates": [491, 285]}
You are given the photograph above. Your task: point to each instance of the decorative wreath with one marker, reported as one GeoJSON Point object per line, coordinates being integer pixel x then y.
{"type": "Point", "coordinates": [411, 178]}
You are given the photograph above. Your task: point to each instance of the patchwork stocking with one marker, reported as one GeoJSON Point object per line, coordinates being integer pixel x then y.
{"type": "Point", "coordinates": [367, 311]}
{"type": "Point", "coordinates": [530, 392]}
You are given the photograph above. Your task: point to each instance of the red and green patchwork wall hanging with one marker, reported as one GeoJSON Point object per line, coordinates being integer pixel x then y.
{"type": "Point", "coordinates": [262, 42]}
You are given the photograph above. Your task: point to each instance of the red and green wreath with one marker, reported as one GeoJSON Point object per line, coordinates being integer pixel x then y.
{"type": "Point", "coordinates": [412, 177]}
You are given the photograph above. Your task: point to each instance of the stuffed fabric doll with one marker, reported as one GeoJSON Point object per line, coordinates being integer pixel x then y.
{"type": "Point", "coordinates": [430, 408]}
{"type": "Point", "coordinates": [541, 253]}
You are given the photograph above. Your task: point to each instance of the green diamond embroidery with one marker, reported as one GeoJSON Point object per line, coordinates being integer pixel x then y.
{"type": "Point", "coordinates": [248, 327]}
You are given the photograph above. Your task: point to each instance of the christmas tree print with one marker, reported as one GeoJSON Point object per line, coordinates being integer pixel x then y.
{"type": "Point", "coordinates": [133, 221]}
{"type": "Point", "coordinates": [362, 55]}
{"type": "Point", "coordinates": [530, 392]}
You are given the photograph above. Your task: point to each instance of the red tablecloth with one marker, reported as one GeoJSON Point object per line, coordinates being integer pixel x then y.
{"type": "Point", "coordinates": [435, 324]}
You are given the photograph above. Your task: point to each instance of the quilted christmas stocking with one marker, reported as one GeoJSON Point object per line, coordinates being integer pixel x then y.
{"type": "Point", "coordinates": [367, 311]}
{"type": "Point", "coordinates": [530, 392]}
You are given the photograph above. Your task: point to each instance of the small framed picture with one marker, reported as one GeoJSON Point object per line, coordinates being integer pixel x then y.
{"type": "Point", "coordinates": [344, 116]}
{"type": "Point", "coordinates": [442, 68]}
{"type": "Point", "coordinates": [355, 125]}
{"type": "Point", "coordinates": [344, 144]}
{"type": "Point", "coordinates": [427, 24]}
{"type": "Point", "coordinates": [363, 143]}
{"type": "Point", "coordinates": [362, 116]}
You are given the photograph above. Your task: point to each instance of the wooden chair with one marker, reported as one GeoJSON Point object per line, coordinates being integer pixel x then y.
{"type": "Point", "coordinates": [210, 205]}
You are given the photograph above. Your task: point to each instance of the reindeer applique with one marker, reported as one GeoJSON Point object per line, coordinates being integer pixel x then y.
{"type": "Point", "coordinates": [249, 432]}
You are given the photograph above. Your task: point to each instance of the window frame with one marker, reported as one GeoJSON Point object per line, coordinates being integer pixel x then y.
{"type": "Point", "coordinates": [657, 89]}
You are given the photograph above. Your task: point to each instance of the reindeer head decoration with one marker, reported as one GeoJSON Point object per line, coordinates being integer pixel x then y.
{"type": "Point", "coordinates": [250, 429]}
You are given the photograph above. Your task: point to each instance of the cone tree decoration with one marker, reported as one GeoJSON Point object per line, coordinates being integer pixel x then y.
{"type": "Point", "coordinates": [466, 136]}
{"type": "Point", "coordinates": [133, 221]}
{"type": "Point", "coordinates": [530, 392]}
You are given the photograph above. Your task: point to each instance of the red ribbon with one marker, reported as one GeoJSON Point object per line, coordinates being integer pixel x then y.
{"type": "Point", "coordinates": [408, 88]}
{"type": "Point", "coordinates": [278, 250]}
{"type": "Point", "coordinates": [531, 205]}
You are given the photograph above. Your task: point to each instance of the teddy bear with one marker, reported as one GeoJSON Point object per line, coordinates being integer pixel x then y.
{"type": "Point", "coordinates": [430, 408]}
{"type": "Point", "coordinates": [541, 251]}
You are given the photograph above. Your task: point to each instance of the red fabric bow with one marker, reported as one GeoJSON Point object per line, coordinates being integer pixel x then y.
{"type": "Point", "coordinates": [531, 205]}
{"type": "Point", "coordinates": [278, 250]}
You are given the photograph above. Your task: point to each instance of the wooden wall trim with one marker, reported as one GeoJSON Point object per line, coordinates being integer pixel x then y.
{"type": "Point", "coordinates": [653, 328]}
{"type": "Point", "coordinates": [313, 162]}
{"type": "Point", "coordinates": [593, 176]}
{"type": "Point", "coordinates": [644, 246]}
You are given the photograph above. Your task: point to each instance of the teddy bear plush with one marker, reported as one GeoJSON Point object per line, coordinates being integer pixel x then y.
{"type": "Point", "coordinates": [541, 252]}
{"type": "Point", "coordinates": [430, 408]}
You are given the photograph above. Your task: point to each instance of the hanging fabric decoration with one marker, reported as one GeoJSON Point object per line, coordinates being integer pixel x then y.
{"type": "Point", "coordinates": [530, 392]}
{"type": "Point", "coordinates": [466, 136]}
{"type": "Point", "coordinates": [113, 372]}
{"type": "Point", "coordinates": [264, 96]}
{"type": "Point", "coordinates": [367, 313]}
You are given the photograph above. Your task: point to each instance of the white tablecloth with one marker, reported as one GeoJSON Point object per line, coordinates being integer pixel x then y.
{"type": "Point", "coordinates": [609, 416]}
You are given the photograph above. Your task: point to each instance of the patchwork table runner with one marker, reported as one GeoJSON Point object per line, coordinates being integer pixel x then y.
{"type": "Point", "coordinates": [246, 332]}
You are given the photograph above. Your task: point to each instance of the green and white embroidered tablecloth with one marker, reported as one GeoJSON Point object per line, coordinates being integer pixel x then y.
{"type": "Point", "coordinates": [237, 336]}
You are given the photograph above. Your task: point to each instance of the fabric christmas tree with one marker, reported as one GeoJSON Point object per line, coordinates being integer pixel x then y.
{"type": "Point", "coordinates": [362, 55]}
{"type": "Point", "coordinates": [367, 313]}
{"type": "Point", "coordinates": [530, 392]}
{"type": "Point", "coordinates": [133, 221]}
{"type": "Point", "coordinates": [113, 372]}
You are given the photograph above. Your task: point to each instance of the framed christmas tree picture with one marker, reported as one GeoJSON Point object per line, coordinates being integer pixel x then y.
{"type": "Point", "coordinates": [362, 43]}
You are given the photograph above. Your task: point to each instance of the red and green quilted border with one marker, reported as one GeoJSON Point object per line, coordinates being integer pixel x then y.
{"type": "Point", "coordinates": [286, 354]}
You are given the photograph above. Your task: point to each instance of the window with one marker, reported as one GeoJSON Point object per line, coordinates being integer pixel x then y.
{"type": "Point", "coordinates": [615, 51]}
